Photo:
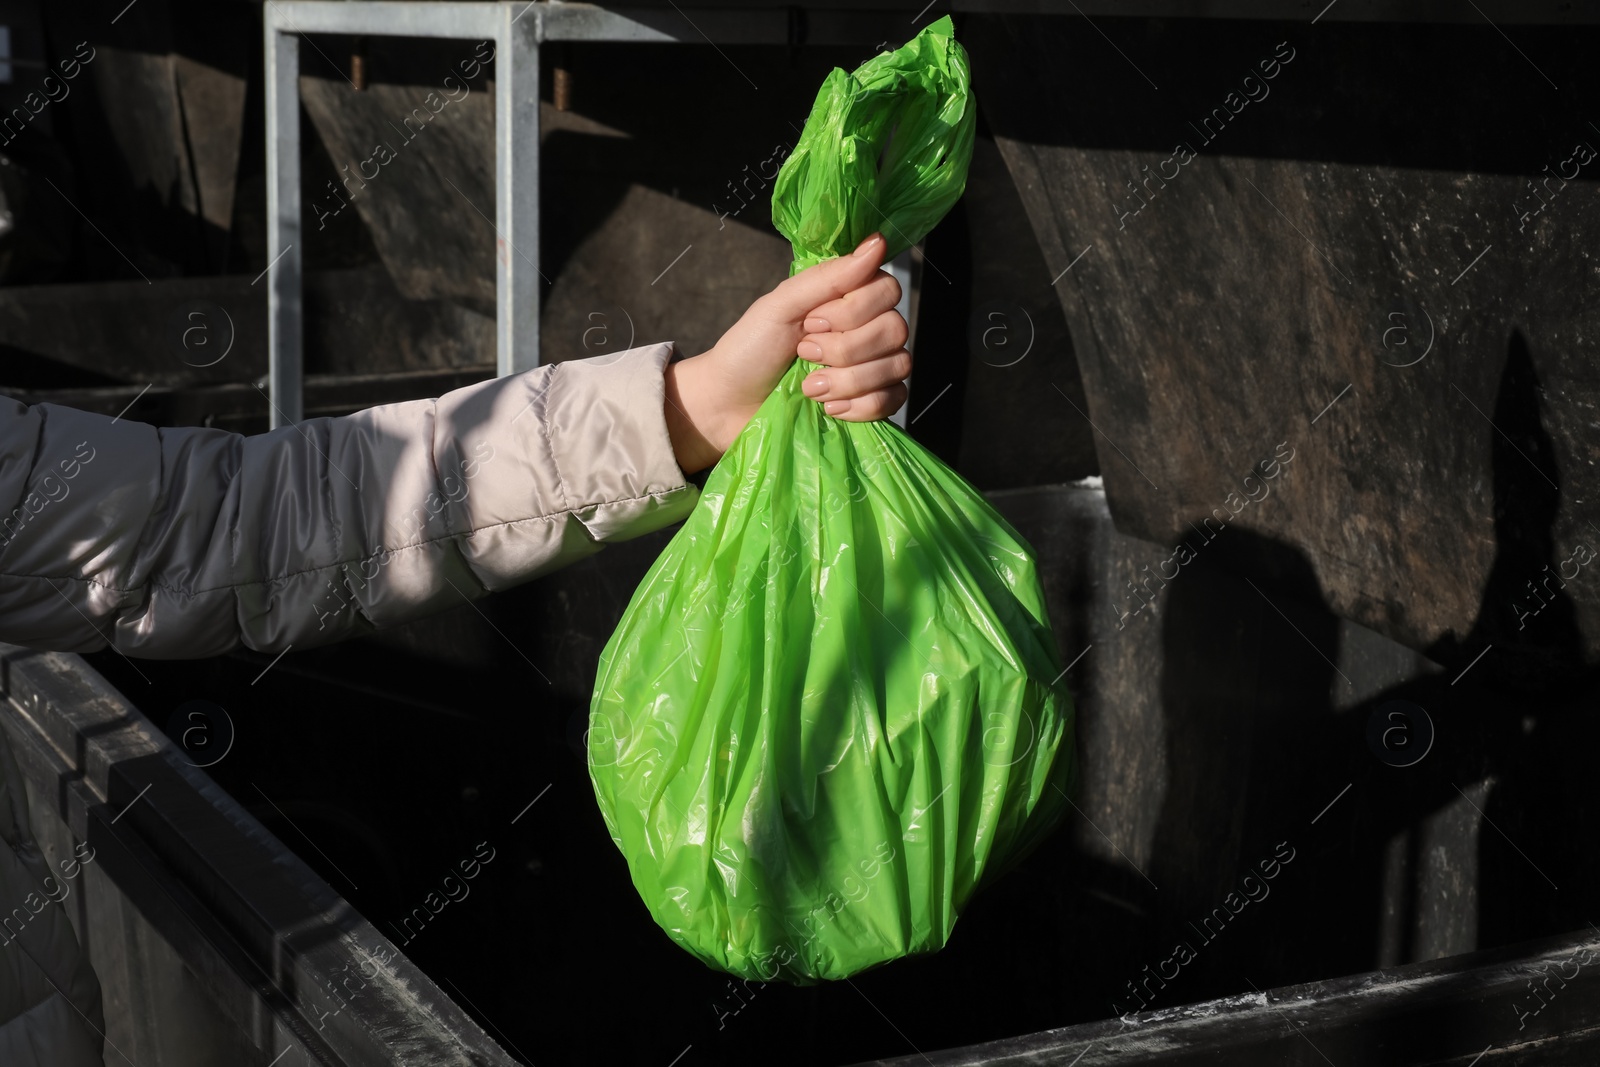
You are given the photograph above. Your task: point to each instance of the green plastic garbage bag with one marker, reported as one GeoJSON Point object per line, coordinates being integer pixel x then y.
{"type": "Point", "coordinates": [834, 706]}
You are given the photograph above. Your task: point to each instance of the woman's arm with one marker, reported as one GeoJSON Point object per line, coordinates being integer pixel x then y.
{"type": "Point", "coordinates": [186, 542]}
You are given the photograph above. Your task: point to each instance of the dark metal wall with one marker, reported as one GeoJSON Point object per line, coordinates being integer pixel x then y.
{"type": "Point", "coordinates": [1297, 328]}
{"type": "Point", "coordinates": [1369, 241]}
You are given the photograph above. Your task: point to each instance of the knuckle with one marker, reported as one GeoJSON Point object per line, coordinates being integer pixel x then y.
{"type": "Point", "coordinates": [891, 286]}
{"type": "Point", "coordinates": [855, 350]}
{"type": "Point", "coordinates": [879, 404]}
{"type": "Point", "coordinates": [899, 332]}
{"type": "Point", "coordinates": [900, 362]}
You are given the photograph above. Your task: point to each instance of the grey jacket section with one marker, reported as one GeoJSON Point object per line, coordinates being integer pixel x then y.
{"type": "Point", "coordinates": [181, 543]}
{"type": "Point", "coordinates": [50, 1014]}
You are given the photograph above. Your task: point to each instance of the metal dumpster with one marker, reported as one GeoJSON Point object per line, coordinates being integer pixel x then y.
{"type": "Point", "coordinates": [1334, 754]}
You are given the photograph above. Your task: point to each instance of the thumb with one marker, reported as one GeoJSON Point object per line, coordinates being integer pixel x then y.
{"type": "Point", "coordinates": [797, 297]}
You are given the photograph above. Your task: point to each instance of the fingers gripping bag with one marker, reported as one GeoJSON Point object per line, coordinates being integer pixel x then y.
{"type": "Point", "coordinates": [834, 706]}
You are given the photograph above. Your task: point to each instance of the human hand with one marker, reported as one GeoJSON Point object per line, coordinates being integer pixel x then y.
{"type": "Point", "coordinates": [839, 314]}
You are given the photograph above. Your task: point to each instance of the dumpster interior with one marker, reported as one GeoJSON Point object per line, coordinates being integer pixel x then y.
{"type": "Point", "coordinates": [1353, 686]}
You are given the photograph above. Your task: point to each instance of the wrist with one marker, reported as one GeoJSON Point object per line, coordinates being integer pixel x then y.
{"type": "Point", "coordinates": [691, 426]}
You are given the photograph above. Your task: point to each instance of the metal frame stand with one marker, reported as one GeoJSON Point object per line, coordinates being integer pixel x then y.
{"type": "Point", "coordinates": [517, 27]}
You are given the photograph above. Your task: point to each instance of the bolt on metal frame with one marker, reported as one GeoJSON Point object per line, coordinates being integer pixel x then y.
{"type": "Point", "coordinates": [517, 28]}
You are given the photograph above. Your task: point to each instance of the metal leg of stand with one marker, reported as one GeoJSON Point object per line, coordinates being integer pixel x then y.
{"type": "Point", "coordinates": [516, 192]}
{"type": "Point", "coordinates": [285, 319]}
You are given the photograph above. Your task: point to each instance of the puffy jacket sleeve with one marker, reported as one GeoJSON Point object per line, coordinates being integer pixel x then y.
{"type": "Point", "coordinates": [179, 543]}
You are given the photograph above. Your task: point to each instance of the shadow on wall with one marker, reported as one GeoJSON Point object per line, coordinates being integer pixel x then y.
{"type": "Point", "coordinates": [1465, 839]}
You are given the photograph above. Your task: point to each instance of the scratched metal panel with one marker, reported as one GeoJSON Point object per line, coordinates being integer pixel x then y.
{"type": "Point", "coordinates": [1352, 241]}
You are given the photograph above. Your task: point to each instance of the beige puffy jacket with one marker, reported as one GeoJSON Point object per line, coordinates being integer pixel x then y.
{"type": "Point", "coordinates": [183, 543]}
